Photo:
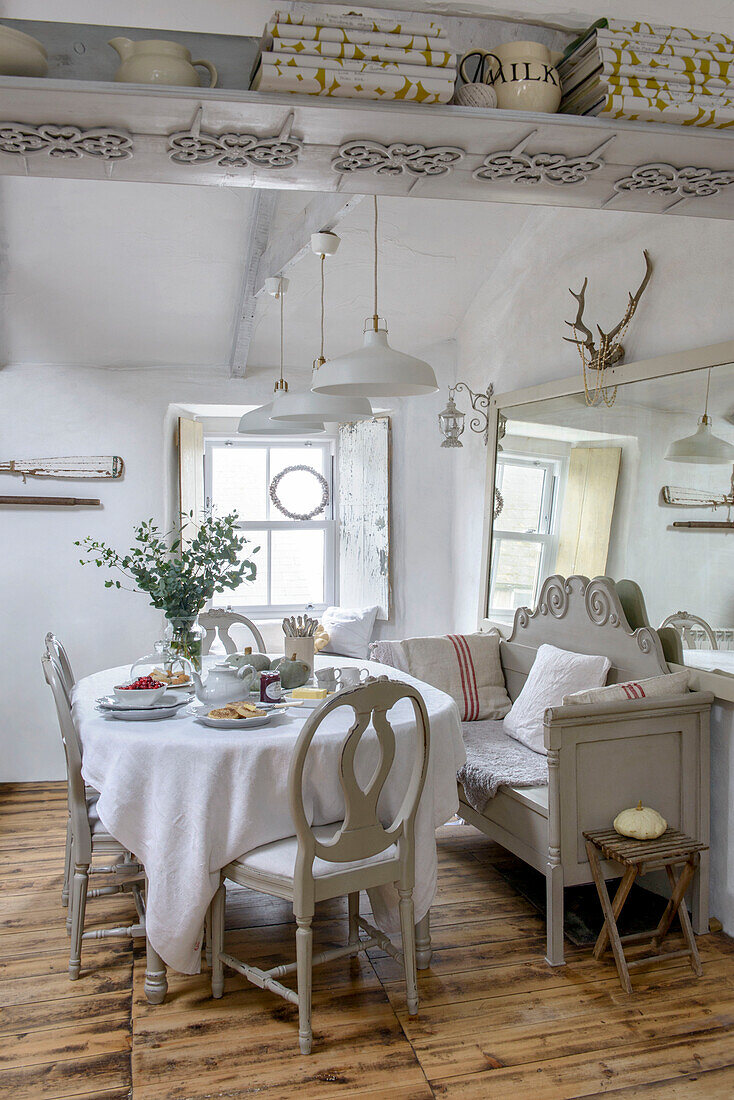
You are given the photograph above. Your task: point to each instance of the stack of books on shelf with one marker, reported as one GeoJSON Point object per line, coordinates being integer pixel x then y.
{"type": "Point", "coordinates": [355, 56]}
{"type": "Point", "coordinates": [654, 73]}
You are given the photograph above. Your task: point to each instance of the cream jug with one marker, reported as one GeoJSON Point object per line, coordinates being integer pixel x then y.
{"type": "Point", "coordinates": [157, 61]}
{"type": "Point", "coordinates": [523, 76]}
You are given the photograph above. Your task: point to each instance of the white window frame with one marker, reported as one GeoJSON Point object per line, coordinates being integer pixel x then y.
{"type": "Point", "coordinates": [326, 522]}
{"type": "Point", "coordinates": [546, 537]}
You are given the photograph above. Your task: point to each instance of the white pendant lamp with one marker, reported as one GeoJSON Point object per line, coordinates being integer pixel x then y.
{"type": "Point", "coordinates": [258, 421]}
{"type": "Point", "coordinates": [306, 406]}
{"type": "Point", "coordinates": [376, 369]}
{"type": "Point", "coordinates": [703, 448]}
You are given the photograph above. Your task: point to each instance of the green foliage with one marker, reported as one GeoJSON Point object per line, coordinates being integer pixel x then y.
{"type": "Point", "coordinates": [179, 576]}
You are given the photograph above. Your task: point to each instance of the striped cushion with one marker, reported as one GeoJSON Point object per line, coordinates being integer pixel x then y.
{"type": "Point", "coordinates": [465, 666]}
{"type": "Point", "coordinates": [653, 687]}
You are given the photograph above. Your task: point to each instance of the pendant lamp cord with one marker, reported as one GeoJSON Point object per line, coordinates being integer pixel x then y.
{"type": "Point", "coordinates": [375, 315]}
{"type": "Point", "coordinates": [281, 296]}
{"type": "Point", "coordinates": [706, 408]}
{"type": "Point", "coordinates": [321, 354]}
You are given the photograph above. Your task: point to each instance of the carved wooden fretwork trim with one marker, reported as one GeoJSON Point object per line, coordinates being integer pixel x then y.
{"type": "Point", "coordinates": [667, 181]}
{"type": "Point", "coordinates": [393, 160]}
{"type": "Point", "coordinates": [234, 149]}
{"type": "Point", "coordinates": [104, 142]}
{"type": "Point", "coordinates": [516, 166]}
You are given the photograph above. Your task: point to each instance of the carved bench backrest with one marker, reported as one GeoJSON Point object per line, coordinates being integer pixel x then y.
{"type": "Point", "coordinates": [583, 616]}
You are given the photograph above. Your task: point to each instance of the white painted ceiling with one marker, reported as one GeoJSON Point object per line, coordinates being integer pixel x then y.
{"type": "Point", "coordinates": [433, 255]}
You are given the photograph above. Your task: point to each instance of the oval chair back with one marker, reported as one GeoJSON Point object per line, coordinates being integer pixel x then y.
{"type": "Point", "coordinates": [222, 621]}
{"type": "Point", "coordinates": [56, 650]}
{"type": "Point", "coordinates": [685, 624]}
{"type": "Point", "coordinates": [73, 753]}
{"type": "Point", "coordinates": [362, 835]}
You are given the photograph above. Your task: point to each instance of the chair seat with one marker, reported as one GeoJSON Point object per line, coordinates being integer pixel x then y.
{"type": "Point", "coordinates": [94, 822]}
{"type": "Point", "coordinates": [278, 859]}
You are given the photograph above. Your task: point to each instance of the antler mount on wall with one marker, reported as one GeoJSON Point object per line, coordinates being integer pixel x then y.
{"type": "Point", "coordinates": [599, 353]}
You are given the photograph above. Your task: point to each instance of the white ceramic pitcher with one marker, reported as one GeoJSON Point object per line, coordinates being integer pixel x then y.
{"type": "Point", "coordinates": [524, 77]}
{"type": "Point", "coordinates": [158, 61]}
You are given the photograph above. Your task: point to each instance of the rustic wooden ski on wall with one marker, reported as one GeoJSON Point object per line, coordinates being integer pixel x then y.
{"type": "Point", "coordinates": [97, 466]}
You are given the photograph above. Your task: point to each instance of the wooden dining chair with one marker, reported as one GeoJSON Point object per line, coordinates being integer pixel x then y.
{"type": "Point", "coordinates": [221, 619]}
{"type": "Point", "coordinates": [690, 628]}
{"type": "Point", "coordinates": [55, 649]}
{"type": "Point", "coordinates": [89, 838]}
{"type": "Point", "coordinates": [338, 859]}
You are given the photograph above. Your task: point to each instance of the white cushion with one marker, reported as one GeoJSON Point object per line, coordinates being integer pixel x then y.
{"type": "Point", "coordinates": [555, 674]}
{"type": "Point", "coordinates": [349, 630]}
{"type": "Point", "coordinates": [279, 858]}
{"type": "Point", "coordinates": [676, 683]}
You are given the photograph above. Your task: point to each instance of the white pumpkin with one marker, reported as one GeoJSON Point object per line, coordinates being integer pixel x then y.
{"type": "Point", "coordinates": [641, 822]}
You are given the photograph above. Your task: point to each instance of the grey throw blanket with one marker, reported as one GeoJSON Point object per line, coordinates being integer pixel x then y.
{"type": "Point", "coordinates": [493, 760]}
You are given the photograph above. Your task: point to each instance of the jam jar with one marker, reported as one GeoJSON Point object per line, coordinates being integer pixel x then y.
{"type": "Point", "coordinates": [270, 689]}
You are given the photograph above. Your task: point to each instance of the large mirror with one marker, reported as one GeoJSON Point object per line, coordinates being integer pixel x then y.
{"type": "Point", "coordinates": [638, 488]}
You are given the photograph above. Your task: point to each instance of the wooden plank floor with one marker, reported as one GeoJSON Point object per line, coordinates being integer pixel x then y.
{"type": "Point", "coordinates": [494, 1022]}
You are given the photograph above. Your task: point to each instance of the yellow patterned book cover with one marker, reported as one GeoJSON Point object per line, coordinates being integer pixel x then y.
{"type": "Point", "coordinates": [346, 34]}
{"type": "Point", "coordinates": [656, 110]}
{"type": "Point", "coordinates": [363, 52]}
{"type": "Point", "coordinates": [304, 62]}
{"type": "Point", "coordinates": [367, 20]}
{"type": "Point", "coordinates": [328, 82]}
{"type": "Point", "coordinates": [664, 33]}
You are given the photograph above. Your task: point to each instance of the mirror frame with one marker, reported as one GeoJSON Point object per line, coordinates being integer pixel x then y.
{"type": "Point", "coordinates": [682, 362]}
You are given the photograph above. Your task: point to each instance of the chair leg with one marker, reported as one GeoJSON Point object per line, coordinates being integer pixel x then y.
{"type": "Point", "coordinates": [407, 931]}
{"type": "Point", "coordinates": [67, 865]}
{"type": "Point", "coordinates": [216, 931]}
{"type": "Point", "coordinates": [353, 901]}
{"type": "Point", "coordinates": [304, 956]}
{"type": "Point", "coordinates": [78, 907]}
{"type": "Point", "coordinates": [208, 937]}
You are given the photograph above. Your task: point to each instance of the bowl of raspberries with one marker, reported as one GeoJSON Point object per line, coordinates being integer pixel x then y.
{"type": "Point", "coordinates": [143, 692]}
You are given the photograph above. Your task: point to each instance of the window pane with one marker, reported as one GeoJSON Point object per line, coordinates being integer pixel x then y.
{"type": "Point", "coordinates": [252, 593]}
{"type": "Point", "coordinates": [298, 567]}
{"type": "Point", "coordinates": [516, 574]}
{"type": "Point", "coordinates": [299, 492]}
{"type": "Point", "coordinates": [238, 481]}
{"type": "Point", "coordinates": [522, 490]}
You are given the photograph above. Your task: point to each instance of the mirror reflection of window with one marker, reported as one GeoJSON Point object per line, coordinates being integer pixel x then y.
{"type": "Point", "coordinates": [524, 532]}
{"type": "Point", "coordinates": [620, 506]}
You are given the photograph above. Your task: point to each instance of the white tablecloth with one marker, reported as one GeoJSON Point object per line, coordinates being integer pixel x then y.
{"type": "Point", "coordinates": [187, 799]}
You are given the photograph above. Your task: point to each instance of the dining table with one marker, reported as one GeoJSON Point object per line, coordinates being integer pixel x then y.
{"type": "Point", "coordinates": [186, 799]}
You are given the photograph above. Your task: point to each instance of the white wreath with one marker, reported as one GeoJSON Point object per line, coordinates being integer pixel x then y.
{"type": "Point", "coordinates": [295, 515]}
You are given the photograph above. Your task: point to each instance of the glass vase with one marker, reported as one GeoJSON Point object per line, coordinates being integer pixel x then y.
{"type": "Point", "coordinates": [185, 638]}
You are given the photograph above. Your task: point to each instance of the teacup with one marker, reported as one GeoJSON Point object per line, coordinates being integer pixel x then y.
{"type": "Point", "coordinates": [351, 677]}
{"type": "Point", "coordinates": [326, 678]}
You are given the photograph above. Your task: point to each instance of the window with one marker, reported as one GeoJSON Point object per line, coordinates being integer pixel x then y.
{"type": "Point", "coordinates": [296, 560]}
{"type": "Point", "coordinates": [524, 536]}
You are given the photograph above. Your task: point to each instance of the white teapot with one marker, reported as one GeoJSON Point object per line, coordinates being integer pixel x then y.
{"type": "Point", "coordinates": [224, 684]}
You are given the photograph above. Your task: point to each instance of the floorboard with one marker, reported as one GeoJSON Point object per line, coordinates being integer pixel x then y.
{"type": "Point", "coordinates": [495, 1021]}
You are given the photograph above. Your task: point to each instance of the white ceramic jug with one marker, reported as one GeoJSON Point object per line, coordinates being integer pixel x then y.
{"type": "Point", "coordinates": [157, 61]}
{"type": "Point", "coordinates": [524, 78]}
{"type": "Point", "coordinates": [21, 55]}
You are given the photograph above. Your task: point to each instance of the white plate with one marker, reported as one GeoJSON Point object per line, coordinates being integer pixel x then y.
{"type": "Point", "coordinates": [166, 702]}
{"type": "Point", "coordinates": [147, 714]}
{"type": "Point", "coordinates": [202, 715]}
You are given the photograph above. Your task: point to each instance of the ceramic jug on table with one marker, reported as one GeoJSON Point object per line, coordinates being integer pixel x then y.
{"type": "Point", "coordinates": [158, 61]}
{"type": "Point", "coordinates": [524, 78]}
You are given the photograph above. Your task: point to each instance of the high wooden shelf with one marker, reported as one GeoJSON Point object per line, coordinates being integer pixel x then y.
{"type": "Point", "coordinates": [184, 135]}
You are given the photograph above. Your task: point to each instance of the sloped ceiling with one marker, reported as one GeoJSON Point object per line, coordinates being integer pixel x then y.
{"type": "Point", "coordinates": [433, 255]}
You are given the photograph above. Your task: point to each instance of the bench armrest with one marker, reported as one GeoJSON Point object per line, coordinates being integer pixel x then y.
{"type": "Point", "coordinates": [626, 711]}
